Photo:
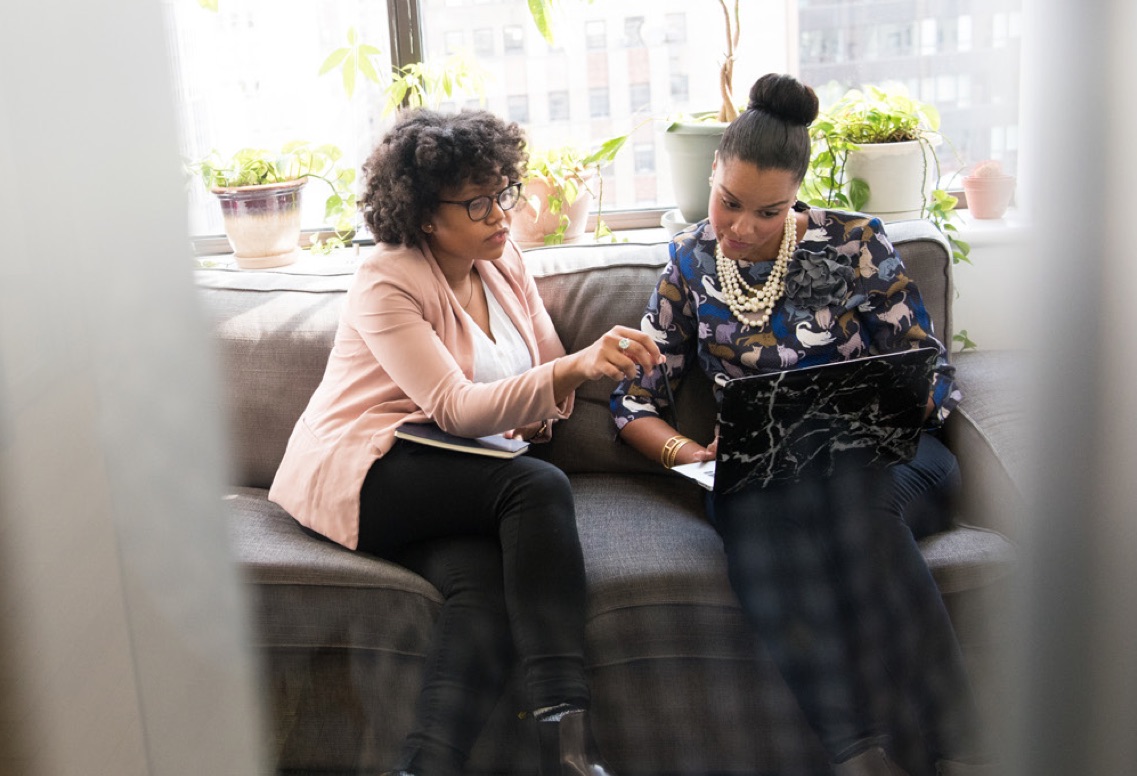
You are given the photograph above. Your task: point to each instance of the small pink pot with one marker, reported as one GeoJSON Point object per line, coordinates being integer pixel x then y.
{"type": "Point", "coordinates": [989, 197]}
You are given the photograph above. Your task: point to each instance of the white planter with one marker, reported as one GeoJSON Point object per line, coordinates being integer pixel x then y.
{"type": "Point", "coordinates": [691, 149]}
{"type": "Point", "coordinates": [900, 177]}
{"type": "Point", "coordinates": [262, 223]}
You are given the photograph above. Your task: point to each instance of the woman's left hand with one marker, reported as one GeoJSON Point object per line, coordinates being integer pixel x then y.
{"type": "Point", "coordinates": [533, 432]}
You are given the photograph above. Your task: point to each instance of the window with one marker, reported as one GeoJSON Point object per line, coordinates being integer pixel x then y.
{"type": "Point", "coordinates": [598, 107]}
{"type": "Point", "coordinates": [484, 43]}
{"type": "Point", "coordinates": [966, 65]}
{"type": "Point", "coordinates": [513, 39]}
{"type": "Point", "coordinates": [249, 74]}
{"type": "Point", "coordinates": [675, 27]}
{"type": "Point", "coordinates": [518, 108]}
{"type": "Point", "coordinates": [559, 105]}
{"type": "Point", "coordinates": [455, 41]}
{"type": "Point", "coordinates": [644, 158]}
{"type": "Point", "coordinates": [639, 97]}
{"type": "Point", "coordinates": [679, 88]}
{"type": "Point", "coordinates": [596, 35]}
{"type": "Point", "coordinates": [633, 32]}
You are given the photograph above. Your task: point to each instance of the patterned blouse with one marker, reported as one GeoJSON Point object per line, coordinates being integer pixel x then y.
{"type": "Point", "coordinates": [847, 295]}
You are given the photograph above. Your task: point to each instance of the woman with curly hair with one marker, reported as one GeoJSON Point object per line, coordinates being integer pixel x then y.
{"type": "Point", "coordinates": [443, 323]}
{"type": "Point", "coordinates": [826, 568]}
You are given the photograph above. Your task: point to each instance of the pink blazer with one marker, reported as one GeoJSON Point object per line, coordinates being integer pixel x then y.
{"type": "Point", "coordinates": [404, 352]}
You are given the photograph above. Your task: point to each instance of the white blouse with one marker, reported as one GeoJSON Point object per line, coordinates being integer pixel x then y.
{"type": "Point", "coordinates": [503, 356]}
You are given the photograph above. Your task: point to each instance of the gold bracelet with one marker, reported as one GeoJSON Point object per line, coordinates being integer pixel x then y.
{"type": "Point", "coordinates": [670, 451]}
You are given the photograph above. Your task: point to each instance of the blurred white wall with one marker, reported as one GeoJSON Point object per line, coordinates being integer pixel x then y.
{"type": "Point", "coordinates": [1075, 707]}
{"type": "Point", "coordinates": [123, 630]}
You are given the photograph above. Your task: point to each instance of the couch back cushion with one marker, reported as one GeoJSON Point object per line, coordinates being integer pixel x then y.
{"type": "Point", "coordinates": [275, 329]}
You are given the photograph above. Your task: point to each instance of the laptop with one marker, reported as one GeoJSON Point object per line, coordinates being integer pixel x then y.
{"type": "Point", "coordinates": [783, 426]}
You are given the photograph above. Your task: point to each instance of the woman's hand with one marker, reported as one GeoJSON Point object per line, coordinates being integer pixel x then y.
{"type": "Point", "coordinates": [616, 354]}
{"type": "Point", "coordinates": [699, 453]}
{"type": "Point", "coordinates": [533, 432]}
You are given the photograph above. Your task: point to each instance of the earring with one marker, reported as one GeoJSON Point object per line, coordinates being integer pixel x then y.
{"type": "Point", "coordinates": [428, 228]}
{"type": "Point", "coordinates": [711, 179]}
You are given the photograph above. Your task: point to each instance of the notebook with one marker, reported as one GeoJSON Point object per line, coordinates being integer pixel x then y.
{"type": "Point", "coordinates": [785, 425]}
{"type": "Point", "coordinates": [495, 446]}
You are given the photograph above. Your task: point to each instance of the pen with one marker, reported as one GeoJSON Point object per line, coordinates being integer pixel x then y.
{"type": "Point", "coordinates": [670, 396]}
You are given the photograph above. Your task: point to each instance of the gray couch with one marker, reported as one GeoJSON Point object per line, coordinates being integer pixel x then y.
{"type": "Point", "coordinates": [679, 684]}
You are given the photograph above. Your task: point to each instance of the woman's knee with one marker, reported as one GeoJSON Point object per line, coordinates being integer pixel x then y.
{"type": "Point", "coordinates": [537, 485]}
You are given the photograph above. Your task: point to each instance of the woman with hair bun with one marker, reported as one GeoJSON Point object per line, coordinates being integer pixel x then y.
{"type": "Point", "coordinates": [443, 323]}
{"type": "Point", "coordinates": [827, 569]}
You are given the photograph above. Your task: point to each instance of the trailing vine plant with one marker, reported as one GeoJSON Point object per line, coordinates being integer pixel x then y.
{"type": "Point", "coordinates": [876, 115]}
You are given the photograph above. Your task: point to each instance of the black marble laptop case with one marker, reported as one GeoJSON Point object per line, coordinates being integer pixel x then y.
{"type": "Point", "coordinates": [786, 425]}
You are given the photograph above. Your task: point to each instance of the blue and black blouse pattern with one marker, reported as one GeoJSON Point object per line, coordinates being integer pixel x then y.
{"type": "Point", "coordinates": [847, 295]}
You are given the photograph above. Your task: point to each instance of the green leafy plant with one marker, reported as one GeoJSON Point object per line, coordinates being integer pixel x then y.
{"type": "Point", "coordinates": [429, 84]}
{"type": "Point", "coordinates": [876, 115]}
{"type": "Point", "coordinates": [567, 171]}
{"type": "Point", "coordinates": [295, 161]}
{"type": "Point", "coordinates": [964, 341]}
{"type": "Point", "coordinates": [353, 60]}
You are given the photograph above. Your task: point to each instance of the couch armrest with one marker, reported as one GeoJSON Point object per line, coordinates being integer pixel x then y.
{"type": "Point", "coordinates": [988, 434]}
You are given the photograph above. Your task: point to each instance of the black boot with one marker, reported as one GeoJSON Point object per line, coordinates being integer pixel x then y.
{"type": "Point", "coordinates": [874, 762]}
{"type": "Point", "coordinates": [567, 748]}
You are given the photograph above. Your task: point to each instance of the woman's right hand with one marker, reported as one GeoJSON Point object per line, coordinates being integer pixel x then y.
{"type": "Point", "coordinates": [606, 358]}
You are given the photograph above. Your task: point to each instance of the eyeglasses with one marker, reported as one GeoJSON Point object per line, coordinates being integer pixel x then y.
{"type": "Point", "coordinates": [479, 208]}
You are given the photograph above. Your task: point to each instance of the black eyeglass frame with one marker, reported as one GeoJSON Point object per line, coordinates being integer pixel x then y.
{"type": "Point", "coordinates": [469, 203]}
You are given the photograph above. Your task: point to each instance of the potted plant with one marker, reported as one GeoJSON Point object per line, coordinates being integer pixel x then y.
{"type": "Point", "coordinates": [559, 187]}
{"type": "Point", "coordinates": [691, 142]}
{"type": "Point", "coordinates": [874, 151]}
{"type": "Point", "coordinates": [988, 190]}
{"type": "Point", "coordinates": [260, 192]}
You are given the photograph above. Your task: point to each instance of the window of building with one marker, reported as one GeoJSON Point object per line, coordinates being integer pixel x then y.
{"type": "Point", "coordinates": [596, 34]}
{"type": "Point", "coordinates": [633, 32]}
{"type": "Point", "coordinates": [680, 88]}
{"type": "Point", "coordinates": [513, 39]}
{"type": "Point", "coordinates": [644, 158]}
{"type": "Point", "coordinates": [675, 27]}
{"type": "Point", "coordinates": [517, 108]}
{"type": "Point", "coordinates": [559, 105]}
{"type": "Point", "coordinates": [455, 41]}
{"type": "Point", "coordinates": [484, 42]}
{"type": "Point", "coordinates": [598, 103]}
{"type": "Point", "coordinates": [639, 97]}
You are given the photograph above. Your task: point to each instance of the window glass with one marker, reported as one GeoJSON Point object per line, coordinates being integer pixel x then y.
{"type": "Point", "coordinates": [248, 75]}
{"type": "Point", "coordinates": [965, 64]}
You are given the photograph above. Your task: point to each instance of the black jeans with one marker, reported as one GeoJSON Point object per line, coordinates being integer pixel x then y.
{"type": "Point", "coordinates": [831, 578]}
{"type": "Point", "coordinates": [498, 539]}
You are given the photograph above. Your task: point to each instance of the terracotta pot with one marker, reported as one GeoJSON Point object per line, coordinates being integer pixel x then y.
{"type": "Point", "coordinates": [262, 223]}
{"type": "Point", "coordinates": [530, 226]}
{"type": "Point", "coordinates": [990, 196]}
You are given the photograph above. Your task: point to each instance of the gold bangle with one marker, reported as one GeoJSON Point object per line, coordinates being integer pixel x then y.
{"type": "Point", "coordinates": [670, 451]}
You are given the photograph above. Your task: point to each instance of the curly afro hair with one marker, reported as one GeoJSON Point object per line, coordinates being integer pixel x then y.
{"type": "Point", "coordinates": [426, 151]}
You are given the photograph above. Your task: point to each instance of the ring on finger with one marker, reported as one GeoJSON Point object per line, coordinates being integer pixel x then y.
{"type": "Point", "coordinates": [624, 343]}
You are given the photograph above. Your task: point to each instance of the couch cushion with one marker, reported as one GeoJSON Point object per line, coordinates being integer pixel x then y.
{"type": "Point", "coordinates": [989, 433]}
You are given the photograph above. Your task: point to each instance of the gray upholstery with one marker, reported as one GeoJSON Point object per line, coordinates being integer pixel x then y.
{"type": "Point", "coordinates": [680, 685]}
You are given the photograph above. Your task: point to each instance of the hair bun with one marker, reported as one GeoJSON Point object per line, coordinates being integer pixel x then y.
{"type": "Point", "coordinates": [784, 97]}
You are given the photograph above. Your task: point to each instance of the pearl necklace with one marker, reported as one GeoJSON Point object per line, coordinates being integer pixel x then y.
{"type": "Point", "coordinates": [742, 298]}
